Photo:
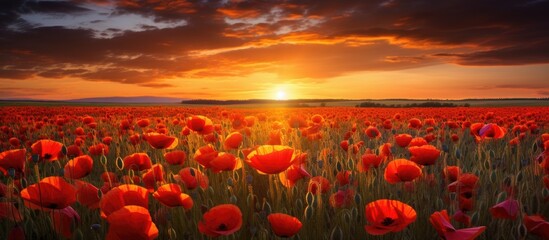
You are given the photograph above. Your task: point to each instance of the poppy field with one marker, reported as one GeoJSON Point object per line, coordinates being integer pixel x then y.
{"type": "Point", "coordinates": [309, 173]}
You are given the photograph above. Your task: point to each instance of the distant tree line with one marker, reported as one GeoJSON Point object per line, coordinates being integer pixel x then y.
{"type": "Point", "coordinates": [411, 105]}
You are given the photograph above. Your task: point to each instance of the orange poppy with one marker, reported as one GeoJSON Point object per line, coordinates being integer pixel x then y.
{"type": "Point", "coordinates": [205, 155]}
{"type": "Point", "coordinates": [403, 140]}
{"type": "Point", "coordinates": [293, 174]}
{"type": "Point", "coordinates": [49, 193]}
{"type": "Point", "coordinates": [441, 223]}
{"type": "Point", "coordinates": [319, 183]}
{"type": "Point", "coordinates": [507, 209]}
{"type": "Point", "coordinates": [176, 157]}
{"type": "Point", "coordinates": [193, 178]}
{"type": "Point", "coordinates": [65, 221]}
{"type": "Point", "coordinates": [123, 195]}
{"type": "Point", "coordinates": [221, 220]}
{"type": "Point", "coordinates": [78, 167]}
{"type": "Point", "coordinates": [87, 194]}
{"type": "Point", "coordinates": [424, 155]}
{"type": "Point", "coordinates": [401, 170]}
{"type": "Point", "coordinates": [233, 141]}
{"type": "Point", "coordinates": [131, 222]}
{"type": "Point", "coordinates": [386, 215]}
{"type": "Point", "coordinates": [225, 162]}
{"type": "Point", "coordinates": [284, 225]}
{"type": "Point", "coordinates": [137, 162]}
{"type": "Point", "coordinates": [47, 150]}
{"type": "Point", "coordinates": [537, 225]}
{"type": "Point", "coordinates": [152, 176]}
{"type": "Point", "coordinates": [171, 196]}
{"type": "Point", "coordinates": [369, 160]}
{"type": "Point", "coordinates": [13, 159]}
{"type": "Point", "coordinates": [271, 159]}
{"type": "Point", "coordinates": [161, 141]}
{"type": "Point", "coordinates": [200, 124]}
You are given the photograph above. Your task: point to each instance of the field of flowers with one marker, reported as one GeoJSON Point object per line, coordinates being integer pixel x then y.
{"type": "Point", "coordinates": [308, 173]}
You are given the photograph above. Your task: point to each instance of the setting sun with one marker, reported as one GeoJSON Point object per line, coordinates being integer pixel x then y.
{"type": "Point", "coordinates": [281, 95]}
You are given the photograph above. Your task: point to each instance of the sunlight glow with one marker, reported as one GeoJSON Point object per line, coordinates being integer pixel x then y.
{"type": "Point", "coordinates": [281, 95]}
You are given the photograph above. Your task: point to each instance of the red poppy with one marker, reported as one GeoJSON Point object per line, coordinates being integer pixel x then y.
{"type": "Point", "coordinates": [284, 225]}
{"type": "Point", "coordinates": [537, 225]}
{"type": "Point", "coordinates": [205, 155]}
{"type": "Point", "coordinates": [74, 151]}
{"type": "Point", "coordinates": [342, 198]}
{"type": "Point", "coordinates": [461, 217]}
{"type": "Point", "coordinates": [87, 194]}
{"type": "Point", "coordinates": [9, 211]}
{"type": "Point", "coordinates": [275, 138]}
{"type": "Point", "coordinates": [372, 132]}
{"type": "Point", "coordinates": [319, 183]}
{"type": "Point", "coordinates": [414, 123]}
{"type": "Point", "coordinates": [403, 140]}
{"type": "Point", "coordinates": [507, 209]}
{"type": "Point", "coordinates": [418, 142]}
{"type": "Point", "coordinates": [65, 221]}
{"type": "Point", "coordinates": [451, 172]}
{"type": "Point", "coordinates": [225, 162]}
{"type": "Point", "coordinates": [47, 150]}
{"type": "Point", "coordinates": [424, 155]}
{"type": "Point", "coordinates": [369, 160]}
{"type": "Point", "coordinates": [49, 193]}
{"type": "Point", "coordinates": [14, 142]}
{"type": "Point", "coordinates": [135, 139]}
{"type": "Point", "coordinates": [200, 124]}
{"type": "Point", "coordinates": [401, 170]}
{"type": "Point", "coordinates": [107, 140]}
{"type": "Point", "coordinates": [441, 223]}
{"type": "Point", "coordinates": [386, 215]}
{"type": "Point", "coordinates": [224, 219]}
{"type": "Point", "coordinates": [193, 178]}
{"type": "Point", "coordinates": [143, 123]}
{"type": "Point", "coordinates": [293, 174]}
{"type": "Point", "coordinates": [152, 176]}
{"type": "Point", "coordinates": [176, 157]}
{"type": "Point", "coordinates": [131, 222]}
{"type": "Point", "coordinates": [98, 149]}
{"type": "Point", "coordinates": [137, 162]}
{"type": "Point", "coordinates": [271, 159]}
{"type": "Point", "coordinates": [233, 141]}
{"type": "Point", "coordinates": [79, 167]}
{"type": "Point", "coordinates": [171, 196]}
{"type": "Point", "coordinates": [13, 159]}
{"type": "Point", "coordinates": [123, 195]}
{"type": "Point", "coordinates": [344, 177]}
{"type": "Point", "coordinates": [487, 131]}
{"type": "Point", "coordinates": [161, 141]}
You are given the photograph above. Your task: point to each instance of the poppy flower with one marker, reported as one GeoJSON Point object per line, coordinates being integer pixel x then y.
{"type": "Point", "coordinates": [205, 155]}
{"type": "Point", "coordinates": [137, 162]}
{"type": "Point", "coordinates": [403, 140]}
{"type": "Point", "coordinates": [176, 157]}
{"type": "Point", "coordinates": [441, 223]}
{"type": "Point", "coordinates": [451, 173]}
{"type": "Point", "coordinates": [78, 167]}
{"type": "Point", "coordinates": [372, 132]}
{"type": "Point", "coordinates": [319, 183]}
{"type": "Point", "coordinates": [401, 170]}
{"type": "Point", "coordinates": [107, 140]}
{"type": "Point", "coordinates": [98, 149]}
{"type": "Point", "coordinates": [284, 225]}
{"type": "Point", "coordinates": [507, 209]}
{"type": "Point", "coordinates": [293, 174]}
{"type": "Point", "coordinates": [345, 146]}
{"type": "Point", "coordinates": [135, 139]}
{"type": "Point", "coordinates": [65, 221]}
{"type": "Point", "coordinates": [123, 195]}
{"type": "Point", "coordinates": [193, 178]}
{"type": "Point", "coordinates": [225, 162]}
{"type": "Point", "coordinates": [13, 159]}
{"type": "Point", "coordinates": [418, 142]}
{"type": "Point", "coordinates": [344, 177]}
{"type": "Point", "coordinates": [161, 141]}
{"type": "Point", "coordinates": [487, 131]}
{"type": "Point", "coordinates": [9, 211]}
{"type": "Point", "coordinates": [143, 123]}
{"type": "Point", "coordinates": [275, 138]}
{"type": "Point", "coordinates": [47, 150]}
{"type": "Point", "coordinates": [271, 159]}
{"type": "Point", "coordinates": [87, 194]}
{"type": "Point", "coordinates": [424, 155]}
{"type": "Point", "coordinates": [74, 151]}
{"type": "Point", "coordinates": [369, 160]}
{"type": "Point", "coordinates": [386, 216]}
{"type": "Point", "coordinates": [170, 195]}
{"type": "Point", "coordinates": [49, 193]}
{"type": "Point", "coordinates": [536, 225]}
{"type": "Point", "coordinates": [131, 222]}
{"type": "Point", "coordinates": [342, 198]}
{"type": "Point", "coordinates": [200, 124]}
{"type": "Point", "coordinates": [152, 176]}
{"type": "Point", "coordinates": [233, 141]}
{"type": "Point", "coordinates": [14, 142]}
{"type": "Point", "coordinates": [461, 217]}
{"type": "Point", "coordinates": [414, 123]}
{"type": "Point", "coordinates": [221, 220]}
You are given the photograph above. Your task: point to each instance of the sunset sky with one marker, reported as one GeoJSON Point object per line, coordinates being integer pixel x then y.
{"type": "Point", "coordinates": [227, 49]}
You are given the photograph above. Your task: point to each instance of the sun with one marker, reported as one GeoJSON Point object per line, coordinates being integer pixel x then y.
{"type": "Point", "coordinates": [281, 95]}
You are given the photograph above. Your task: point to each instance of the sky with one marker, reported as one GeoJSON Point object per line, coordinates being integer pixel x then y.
{"type": "Point", "coordinates": [237, 49]}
